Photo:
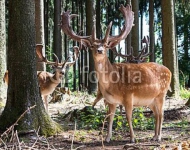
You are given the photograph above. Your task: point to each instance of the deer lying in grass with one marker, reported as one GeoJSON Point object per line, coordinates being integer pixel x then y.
{"type": "Point", "coordinates": [127, 84]}
{"type": "Point", "coordinates": [48, 81]}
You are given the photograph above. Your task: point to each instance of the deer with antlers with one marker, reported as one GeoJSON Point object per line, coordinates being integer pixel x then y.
{"type": "Point", "coordinates": [127, 84]}
{"type": "Point", "coordinates": [48, 81]}
{"type": "Point", "coordinates": [130, 58]}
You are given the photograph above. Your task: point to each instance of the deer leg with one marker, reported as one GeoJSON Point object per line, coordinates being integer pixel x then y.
{"type": "Point", "coordinates": [128, 110]}
{"type": "Point", "coordinates": [98, 98]}
{"type": "Point", "coordinates": [46, 102]}
{"type": "Point", "coordinates": [157, 109]}
{"type": "Point", "coordinates": [160, 116]}
{"type": "Point", "coordinates": [112, 108]}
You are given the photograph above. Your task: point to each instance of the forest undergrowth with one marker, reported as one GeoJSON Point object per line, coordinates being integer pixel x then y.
{"type": "Point", "coordinates": [85, 127]}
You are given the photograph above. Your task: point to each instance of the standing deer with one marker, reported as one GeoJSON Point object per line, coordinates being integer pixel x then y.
{"type": "Point", "coordinates": [127, 84]}
{"type": "Point", "coordinates": [48, 81]}
{"type": "Point", "coordinates": [127, 59]}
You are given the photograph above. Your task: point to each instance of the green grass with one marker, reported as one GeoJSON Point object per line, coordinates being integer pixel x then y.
{"type": "Point", "coordinates": [184, 93]}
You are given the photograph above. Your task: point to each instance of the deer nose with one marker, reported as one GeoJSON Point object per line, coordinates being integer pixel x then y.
{"type": "Point", "coordinates": [62, 73]}
{"type": "Point", "coordinates": [99, 51]}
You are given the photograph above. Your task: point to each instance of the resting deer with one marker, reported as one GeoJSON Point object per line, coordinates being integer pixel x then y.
{"type": "Point", "coordinates": [48, 81]}
{"type": "Point", "coordinates": [127, 84]}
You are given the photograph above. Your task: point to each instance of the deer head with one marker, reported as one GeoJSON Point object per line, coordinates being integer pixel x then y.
{"type": "Point", "coordinates": [59, 67]}
{"type": "Point", "coordinates": [99, 46]}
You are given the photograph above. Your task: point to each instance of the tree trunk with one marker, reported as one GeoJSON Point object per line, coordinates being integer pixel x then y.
{"type": "Point", "coordinates": [82, 74]}
{"type": "Point", "coordinates": [128, 40]}
{"type": "Point", "coordinates": [90, 19]}
{"type": "Point", "coordinates": [151, 30]}
{"type": "Point", "coordinates": [135, 29]}
{"type": "Point", "coordinates": [57, 42]}
{"type": "Point", "coordinates": [39, 22]}
{"type": "Point", "coordinates": [46, 30]}
{"type": "Point", "coordinates": [23, 89]}
{"type": "Point", "coordinates": [186, 36]}
{"type": "Point", "coordinates": [169, 44]}
{"type": "Point", "coordinates": [188, 103]}
{"type": "Point", "coordinates": [2, 53]}
{"type": "Point", "coordinates": [57, 39]}
{"type": "Point", "coordinates": [98, 19]}
{"type": "Point", "coordinates": [75, 24]}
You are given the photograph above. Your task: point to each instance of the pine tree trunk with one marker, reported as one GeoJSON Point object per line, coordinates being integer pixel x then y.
{"type": "Point", "coordinates": [2, 54]}
{"type": "Point", "coordinates": [23, 89]}
{"type": "Point", "coordinates": [135, 29]}
{"type": "Point", "coordinates": [151, 34]}
{"type": "Point", "coordinates": [90, 18]}
{"type": "Point", "coordinates": [188, 103]}
{"type": "Point", "coordinates": [57, 41]}
{"type": "Point", "coordinates": [169, 44]}
{"type": "Point", "coordinates": [46, 18]}
{"type": "Point", "coordinates": [40, 38]}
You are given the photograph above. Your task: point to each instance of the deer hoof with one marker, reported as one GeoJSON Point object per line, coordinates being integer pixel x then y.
{"type": "Point", "coordinates": [157, 138]}
{"type": "Point", "coordinates": [132, 140]}
{"type": "Point", "coordinates": [107, 139]}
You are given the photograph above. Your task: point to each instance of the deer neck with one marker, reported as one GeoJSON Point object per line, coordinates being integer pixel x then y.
{"type": "Point", "coordinates": [56, 78]}
{"type": "Point", "coordinates": [103, 69]}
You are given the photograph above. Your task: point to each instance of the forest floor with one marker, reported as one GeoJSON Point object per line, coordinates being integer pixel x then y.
{"type": "Point", "coordinates": [175, 131]}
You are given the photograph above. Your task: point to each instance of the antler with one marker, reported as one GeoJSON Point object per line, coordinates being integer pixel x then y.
{"type": "Point", "coordinates": [110, 41]}
{"type": "Point", "coordinates": [44, 59]}
{"type": "Point", "coordinates": [75, 57]}
{"type": "Point", "coordinates": [131, 58]}
{"type": "Point", "coordinates": [127, 58]}
{"type": "Point", "coordinates": [146, 40]}
{"type": "Point", "coordinates": [128, 15]}
{"type": "Point", "coordinates": [67, 29]}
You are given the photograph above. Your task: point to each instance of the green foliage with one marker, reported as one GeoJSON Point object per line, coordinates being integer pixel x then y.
{"type": "Point", "coordinates": [92, 119]}
{"type": "Point", "coordinates": [49, 56]}
{"type": "Point", "coordinates": [71, 77]}
{"type": "Point", "coordinates": [184, 93]}
{"type": "Point", "coordinates": [183, 123]}
{"type": "Point", "coordinates": [89, 118]}
{"type": "Point", "coordinates": [140, 121]}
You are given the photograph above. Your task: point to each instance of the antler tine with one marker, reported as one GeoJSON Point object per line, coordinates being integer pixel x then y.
{"type": "Point", "coordinates": [106, 38]}
{"type": "Point", "coordinates": [146, 41]}
{"type": "Point", "coordinates": [119, 54]}
{"type": "Point", "coordinates": [39, 52]}
{"type": "Point", "coordinates": [75, 57]}
{"type": "Point", "coordinates": [67, 29]}
{"type": "Point", "coordinates": [128, 15]}
{"type": "Point", "coordinates": [41, 57]}
{"type": "Point", "coordinates": [64, 64]}
{"type": "Point", "coordinates": [94, 33]}
{"type": "Point", "coordinates": [141, 53]}
{"type": "Point", "coordinates": [57, 60]}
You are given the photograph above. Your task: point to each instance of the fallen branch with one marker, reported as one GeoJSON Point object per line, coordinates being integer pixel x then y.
{"type": "Point", "coordinates": [137, 146]}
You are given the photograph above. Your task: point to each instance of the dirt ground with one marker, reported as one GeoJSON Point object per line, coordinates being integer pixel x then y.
{"type": "Point", "coordinates": [173, 138]}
